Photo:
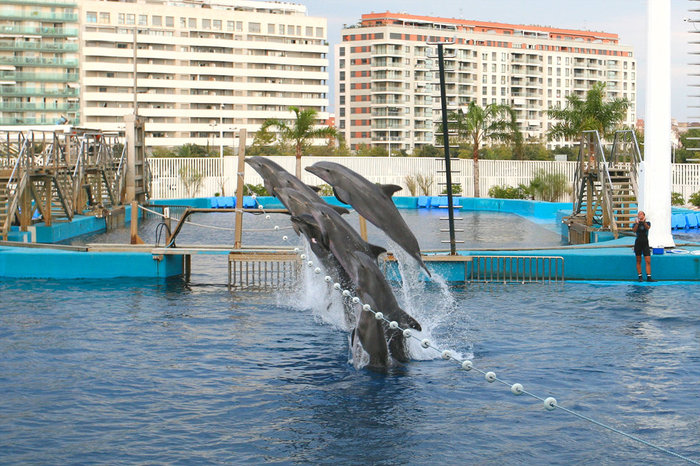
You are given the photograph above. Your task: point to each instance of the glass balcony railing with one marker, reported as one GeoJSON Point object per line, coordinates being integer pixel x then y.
{"type": "Point", "coordinates": [39, 31]}
{"type": "Point", "coordinates": [10, 121]}
{"type": "Point", "coordinates": [17, 91]}
{"type": "Point", "coordinates": [48, 77]}
{"type": "Point", "coordinates": [39, 16]}
{"type": "Point", "coordinates": [33, 61]}
{"type": "Point", "coordinates": [38, 107]}
{"type": "Point", "coordinates": [53, 3]}
{"type": "Point", "coordinates": [38, 46]}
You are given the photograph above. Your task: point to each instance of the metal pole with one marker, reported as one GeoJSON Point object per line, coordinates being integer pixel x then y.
{"type": "Point", "coordinates": [446, 142]}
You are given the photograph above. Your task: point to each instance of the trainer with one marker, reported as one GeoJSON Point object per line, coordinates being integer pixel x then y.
{"type": "Point", "coordinates": [641, 244]}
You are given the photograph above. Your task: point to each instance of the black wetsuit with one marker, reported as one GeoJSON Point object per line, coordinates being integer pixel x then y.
{"type": "Point", "coordinates": [641, 244]}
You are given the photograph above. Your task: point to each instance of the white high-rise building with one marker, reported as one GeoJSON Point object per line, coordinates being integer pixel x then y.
{"type": "Point", "coordinates": [201, 69]}
{"type": "Point", "coordinates": [387, 85]}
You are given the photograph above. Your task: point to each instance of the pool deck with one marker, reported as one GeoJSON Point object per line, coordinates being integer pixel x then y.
{"type": "Point", "coordinates": [611, 260]}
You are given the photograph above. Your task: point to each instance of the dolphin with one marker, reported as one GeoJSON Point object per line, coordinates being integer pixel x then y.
{"type": "Point", "coordinates": [373, 289]}
{"type": "Point", "coordinates": [276, 178]}
{"type": "Point", "coordinates": [372, 201]}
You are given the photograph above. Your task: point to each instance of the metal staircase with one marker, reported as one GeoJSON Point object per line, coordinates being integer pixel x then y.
{"type": "Point", "coordinates": [605, 189]}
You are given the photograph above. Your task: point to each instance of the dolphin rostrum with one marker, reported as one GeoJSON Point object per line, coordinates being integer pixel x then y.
{"type": "Point", "coordinates": [372, 201]}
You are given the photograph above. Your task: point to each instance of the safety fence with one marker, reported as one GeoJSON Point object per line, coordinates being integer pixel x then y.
{"type": "Point", "coordinates": [204, 177]}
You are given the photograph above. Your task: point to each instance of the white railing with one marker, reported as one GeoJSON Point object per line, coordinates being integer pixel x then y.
{"type": "Point", "coordinates": [167, 181]}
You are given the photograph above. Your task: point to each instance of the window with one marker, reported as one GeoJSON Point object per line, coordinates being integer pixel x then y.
{"type": "Point", "coordinates": [143, 20]}
{"type": "Point", "coordinates": [342, 87]}
{"type": "Point", "coordinates": [230, 25]}
{"type": "Point", "coordinates": [290, 30]}
{"type": "Point", "coordinates": [253, 27]}
{"type": "Point", "coordinates": [319, 33]}
{"type": "Point", "coordinates": [217, 24]}
{"type": "Point", "coordinates": [157, 20]}
{"type": "Point", "coordinates": [342, 76]}
{"type": "Point", "coordinates": [91, 17]}
{"type": "Point", "coordinates": [309, 31]}
{"type": "Point", "coordinates": [298, 30]}
{"type": "Point", "coordinates": [192, 23]}
{"type": "Point", "coordinates": [130, 19]}
{"type": "Point", "coordinates": [239, 25]}
{"type": "Point", "coordinates": [104, 18]}
{"type": "Point", "coordinates": [341, 51]}
{"type": "Point", "coordinates": [169, 21]}
{"type": "Point", "coordinates": [270, 28]}
{"type": "Point", "coordinates": [281, 29]}
{"type": "Point", "coordinates": [341, 63]}
{"type": "Point", "coordinates": [183, 23]}
{"type": "Point", "coordinates": [206, 24]}
{"type": "Point", "coordinates": [121, 18]}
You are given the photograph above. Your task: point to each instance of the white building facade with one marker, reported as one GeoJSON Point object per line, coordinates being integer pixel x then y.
{"type": "Point", "coordinates": [387, 84]}
{"type": "Point", "coordinates": [199, 71]}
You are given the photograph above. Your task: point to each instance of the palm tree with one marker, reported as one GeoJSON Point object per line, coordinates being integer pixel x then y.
{"type": "Point", "coordinates": [478, 124]}
{"type": "Point", "coordinates": [593, 113]}
{"type": "Point", "coordinates": [301, 130]}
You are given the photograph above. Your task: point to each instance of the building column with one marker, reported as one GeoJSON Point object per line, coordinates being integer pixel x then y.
{"type": "Point", "coordinates": [655, 172]}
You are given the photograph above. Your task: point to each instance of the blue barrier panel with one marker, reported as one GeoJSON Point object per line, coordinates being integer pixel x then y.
{"type": "Point", "coordinates": [423, 202]}
{"type": "Point", "coordinates": [678, 221]}
{"type": "Point", "coordinates": [249, 202]}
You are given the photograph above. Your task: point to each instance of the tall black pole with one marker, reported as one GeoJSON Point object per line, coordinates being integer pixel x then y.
{"type": "Point", "coordinates": [446, 142]}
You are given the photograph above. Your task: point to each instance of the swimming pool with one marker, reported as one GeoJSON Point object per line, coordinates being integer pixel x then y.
{"type": "Point", "coordinates": [121, 371]}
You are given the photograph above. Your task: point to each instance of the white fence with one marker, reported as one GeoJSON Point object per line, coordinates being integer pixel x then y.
{"type": "Point", "coordinates": [167, 173]}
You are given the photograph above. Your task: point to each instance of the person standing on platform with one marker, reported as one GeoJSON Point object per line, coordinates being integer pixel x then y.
{"type": "Point", "coordinates": [641, 245]}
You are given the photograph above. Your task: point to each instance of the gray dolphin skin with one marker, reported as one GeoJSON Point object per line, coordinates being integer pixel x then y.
{"type": "Point", "coordinates": [276, 178]}
{"type": "Point", "coordinates": [372, 201]}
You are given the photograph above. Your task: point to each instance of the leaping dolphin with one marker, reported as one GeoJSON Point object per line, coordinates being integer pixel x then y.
{"type": "Point", "coordinates": [372, 201]}
{"type": "Point", "coordinates": [276, 178]}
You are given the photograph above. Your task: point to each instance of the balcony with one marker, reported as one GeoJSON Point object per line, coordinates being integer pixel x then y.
{"type": "Point", "coordinates": [39, 31]}
{"type": "Point", "coordinates": [39, 46]}
{"type": "Point", "coordinates": [47, 77]}
{"type": "Point", "coordinates": [40, 107]}
{"type": "Point", "coordinates": [13, 121]}
{"type": "Point", "coordinates": [32, 61]}
{"type": "Point", "coordinates": [39, 16]}
{"type": "Point", "coordinates": [54, 3]}
{"type": "Point", "coordinates": [31, 92]}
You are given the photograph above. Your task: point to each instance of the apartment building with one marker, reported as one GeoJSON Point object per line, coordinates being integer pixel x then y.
{"type": "Point", "coordinates": [201, 69]}
{"type": "Point", "coordinates": [38, 62]}
{"type": "Point", "coordinates": [387, 84]}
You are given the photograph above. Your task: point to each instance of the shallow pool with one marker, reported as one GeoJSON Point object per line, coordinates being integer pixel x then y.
{"type": "Point", "coordinates": [120, 371]}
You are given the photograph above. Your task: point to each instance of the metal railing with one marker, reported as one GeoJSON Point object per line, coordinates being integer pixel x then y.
{"type": "Point", "coordinates": [514, 269]}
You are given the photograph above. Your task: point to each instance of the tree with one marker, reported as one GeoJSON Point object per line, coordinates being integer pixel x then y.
{"type": "Point", "coordinates": [300, 131]}
{"type": "Point", "coordinates": [593, 113]}
{"type": "Point", "coordinates": [479, 124]}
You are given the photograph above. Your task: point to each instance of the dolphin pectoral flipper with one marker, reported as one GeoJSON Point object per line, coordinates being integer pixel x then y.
{"type": "Point", "coordinates": [376, 250]}
{"type": "Point", "coordinates": [316, 189]}
{"type": "Point", "coordinates": [341, 194]}
{"type": "Point", "coordinates": [389, 189]}
{"type": "Point", "coordinates": [339, 209]}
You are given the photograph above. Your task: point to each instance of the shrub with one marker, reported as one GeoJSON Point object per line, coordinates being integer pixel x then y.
{"type": "Point", "coordinates": [257, 189]}
{"type": "Point", "coordinates": [695, 199]}
{"type": "Point", "coordinates": [325, 190]}
{"type": "Point", "coordinates": [411, 184]}
{"type": "Point", "coordinates": [456, 189]}
{"type": "Point", "coordinates": [425, 183]}
{"type": "Point", "coordinates": [677, 199]}
{"type": "Point", "coordinates": [549, 186]}
{"type": "Point", "coordinates": [509, 192]}
{"type": "Point", "coordinates": [192, 179]}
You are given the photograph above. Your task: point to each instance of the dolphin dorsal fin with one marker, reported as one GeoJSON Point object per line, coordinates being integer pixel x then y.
{"type": "Point", "coordinates": [389, 189]}
{"type": "Point", "coordinates": [316, 189]}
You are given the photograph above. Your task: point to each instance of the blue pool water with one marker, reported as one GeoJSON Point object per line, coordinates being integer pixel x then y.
{"type": "Point", "coordinates": [121, 371]}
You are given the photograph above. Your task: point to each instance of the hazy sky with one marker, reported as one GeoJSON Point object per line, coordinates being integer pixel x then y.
{"type": "Point", "coordinates": [624, 17]}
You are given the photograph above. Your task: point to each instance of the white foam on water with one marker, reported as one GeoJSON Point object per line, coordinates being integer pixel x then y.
{"type": "Point", "coordinates": [417, 296]}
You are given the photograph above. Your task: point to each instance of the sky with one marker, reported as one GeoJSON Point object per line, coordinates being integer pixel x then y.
{"type": "Point", "coordinates": [627, 18]}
